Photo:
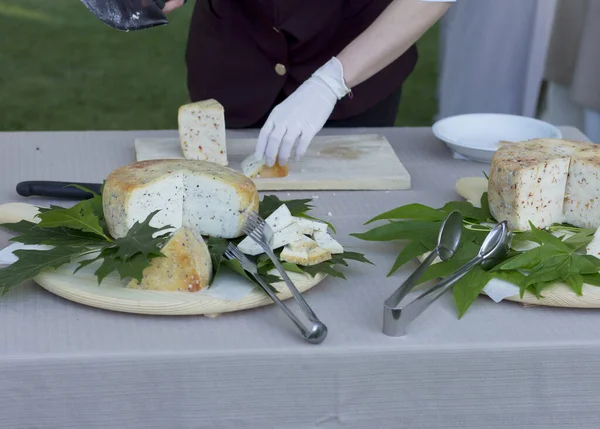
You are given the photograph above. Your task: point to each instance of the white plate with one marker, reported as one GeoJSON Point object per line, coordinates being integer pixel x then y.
{"type": "Point", "coordinates": [477, 136]}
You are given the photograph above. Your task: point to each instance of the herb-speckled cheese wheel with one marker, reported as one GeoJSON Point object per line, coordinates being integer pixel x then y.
{"type": "Point", "coordinates": [210, 199]}
{"type": "Point", "coordinates": [545, 181]}
{"type": "Point", "coordinates": [185, 267]}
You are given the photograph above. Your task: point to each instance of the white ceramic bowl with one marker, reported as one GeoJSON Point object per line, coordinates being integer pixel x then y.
{"type": "Point", "coordinates": [477, 136]}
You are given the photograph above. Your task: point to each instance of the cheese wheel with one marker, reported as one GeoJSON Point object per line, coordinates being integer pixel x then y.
{"type": "Point", "coordinates": [210, 199]}
{"type": "Point", "coordinates": [185, 267]}
{"type": "Point", "coordinates": [202, 131]}
{"type": "Point", "coordinates": [545, 181]}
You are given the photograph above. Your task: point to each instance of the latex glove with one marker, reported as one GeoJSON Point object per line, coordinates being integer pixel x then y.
{"type": "Point", "coordinates": [293, 123]}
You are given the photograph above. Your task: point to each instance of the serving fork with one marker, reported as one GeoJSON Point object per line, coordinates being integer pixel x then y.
{"type": "Point", "coordinates": [251, 268]}
{"type": "Point", "coordinates": [260, 232]}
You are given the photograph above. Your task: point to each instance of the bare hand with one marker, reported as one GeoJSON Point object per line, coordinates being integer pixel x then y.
{"type": "Point", "coordinates": [171, 5]}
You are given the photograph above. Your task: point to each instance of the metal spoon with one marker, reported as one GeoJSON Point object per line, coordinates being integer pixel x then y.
{"type": "Point", "coordinates": [495, 247]}
{"type": "Point", "coordinates": [448, 241]}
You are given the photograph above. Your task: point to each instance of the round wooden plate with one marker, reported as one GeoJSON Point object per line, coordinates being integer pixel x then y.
{"type": "Point", "coordinates": [113, 295]}
{"type": "Point", "coordinates": [556, 295]}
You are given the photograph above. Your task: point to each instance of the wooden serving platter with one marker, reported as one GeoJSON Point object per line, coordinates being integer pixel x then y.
{"type": "Point", "coordinates": [556, 295]}
{"type": "Point", "coordinates": [352, 162]}
{"type": "Point", "coordinates": [112, 294]}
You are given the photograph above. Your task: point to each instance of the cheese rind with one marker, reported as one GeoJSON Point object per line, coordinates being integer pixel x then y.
{"type": "Point", "coordinates": [185, 267]}
{"type": "Point", "coordinates": [545, 181]}
{"type": "Point", "coordinates": [318, 255]}
{"type": "Point", "coordinates": [294, 256]}
{"type": "Point", "coordinates": [210, 199]}
{"type": "Point", "coordinates": [202, 131]}
{"type": "Point", "coordinates": [257, 168]}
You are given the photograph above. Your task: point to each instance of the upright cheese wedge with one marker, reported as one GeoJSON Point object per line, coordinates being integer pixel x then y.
{"type": "Point", "coordinates": [202, 131]}
{"type": "Point", "coordinates": [210, 199]}
{"type": "Point", "coordinates": [545, 181]}
{"type": "Point", "coordinates": [185, 267]}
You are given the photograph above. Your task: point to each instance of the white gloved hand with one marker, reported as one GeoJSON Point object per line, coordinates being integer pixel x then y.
{"type": "Point", "coordinates": [294, 122]}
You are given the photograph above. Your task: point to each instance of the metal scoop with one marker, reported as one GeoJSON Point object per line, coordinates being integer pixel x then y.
{"type": "Point", "coordinates": [495, 247]}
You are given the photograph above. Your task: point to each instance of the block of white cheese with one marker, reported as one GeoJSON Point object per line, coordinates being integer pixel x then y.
{"type": "Point", "coordinates": [280, 218]}
{"type": "Point", "coordinates": [210, 199]}
{"type": "Point", "coordinates": [327, 242]}
{"type": "Point", "coordinates": [308, 226]}
{"type": "Point", "coordinates": [281, 238]}
{"type": "Point", "coordinates": [257, 168]}
{"type": "Point", "coordinates": [545, 181]}
{"type": "Point", "coordinates": [185, 267]}
{"type": "Point", "coordinates": [202, 131]}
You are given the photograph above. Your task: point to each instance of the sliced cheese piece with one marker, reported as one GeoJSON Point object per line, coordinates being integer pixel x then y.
{"type": "Point", "coordinates": [185, 267]}
{"type": "Point", "coordinates": [280, 218]}
{"type": "Point", "coordinates": [545, 181]}
{"type": "Point", "coordinates": [210, 199]}
{"type": "Point", "coordinates": [285, 236]}
{"type": "Point", "coordinates": [304, 244]}
{"type": "Point", "coordinates": [298, 257]}
{"type": "Point", "coordinates": [257, 168]}
{"type": "Point", "coordinates": [318, 255]}
{"type": "Point", "coordinates": [202, 131]}
{"type": "Point", "coordinates": [327, 242]}
{"type": "Point", "coordinates": [308, 226]}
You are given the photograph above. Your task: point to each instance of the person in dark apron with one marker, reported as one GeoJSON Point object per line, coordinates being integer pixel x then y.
{"type": "Point", "coordinates": [292, 67]}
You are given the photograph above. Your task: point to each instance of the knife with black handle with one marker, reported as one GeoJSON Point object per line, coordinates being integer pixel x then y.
{"type": "Point", "coordinates": [50, 189]}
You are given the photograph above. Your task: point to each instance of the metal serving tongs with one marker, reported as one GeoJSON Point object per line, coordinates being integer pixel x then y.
{"type": "Point", "coordinates": [397, 315]}
{"type": "Point", "coordinates": [259, 231]}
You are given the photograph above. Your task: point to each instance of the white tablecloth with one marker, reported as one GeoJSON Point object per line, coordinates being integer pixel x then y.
{"type": "Point", "coordinates": [64, 365]}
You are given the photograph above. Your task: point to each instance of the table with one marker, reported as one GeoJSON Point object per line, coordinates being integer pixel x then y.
{"type": "Point", "coordinates": [64, 365]}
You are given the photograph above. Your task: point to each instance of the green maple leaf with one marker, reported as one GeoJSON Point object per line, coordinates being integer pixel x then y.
{"type": "Point", "coordinates": [81, 216]}
{"type": "Point", "coordinates": [30, 263]}
{"type": "Point", "coordinates": [141, 238]}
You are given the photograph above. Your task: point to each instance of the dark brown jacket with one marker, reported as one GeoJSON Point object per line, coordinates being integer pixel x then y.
{"type": "Point", "coordinates": [247, 53]}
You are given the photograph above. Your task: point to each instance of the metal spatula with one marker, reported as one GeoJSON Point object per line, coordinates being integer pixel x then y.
{"type": "Point", "coordinates": [128, 15]}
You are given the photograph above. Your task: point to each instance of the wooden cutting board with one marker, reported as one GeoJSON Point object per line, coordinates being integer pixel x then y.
{"type": "Point", "coordinates": [354, 162]}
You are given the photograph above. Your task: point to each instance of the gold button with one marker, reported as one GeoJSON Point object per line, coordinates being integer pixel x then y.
{"type": "Point", "coordinates": [280, 69]}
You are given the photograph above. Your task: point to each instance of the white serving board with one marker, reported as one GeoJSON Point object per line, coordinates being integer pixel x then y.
{"type": "Point", "coordinates": [353, 162]}
{"type": "Point", "coordinates": [82, 287]}
{"type": "Point", "coordinates": [556, 295]}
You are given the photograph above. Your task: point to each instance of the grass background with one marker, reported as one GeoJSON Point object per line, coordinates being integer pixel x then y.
{"type": "Point", "coordinates": [62, 69]}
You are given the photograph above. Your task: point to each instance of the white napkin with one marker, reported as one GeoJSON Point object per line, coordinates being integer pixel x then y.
{"type": "Point", "coordinates": [7, 256]}
{"type": "Point", "coordinates": [498, 289]}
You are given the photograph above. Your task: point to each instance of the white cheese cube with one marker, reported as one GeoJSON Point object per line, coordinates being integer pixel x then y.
{"type": "Point", "coordinates": [293, 256]}
{"type": "Point", "coordinates": [304, 244]}
{"type": "Point", "coordinates": [280, 218]}
{"type": "Point", "coordinates": [210, 199]}
{"type": "Point", "coordinates": [327, 242]}
{"type": "Point", "coordinates": [308, 226]}
{"type": "Point", "coordinates": [202, 131]}
{"type": "Point", "coordinates": [280, 239]}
